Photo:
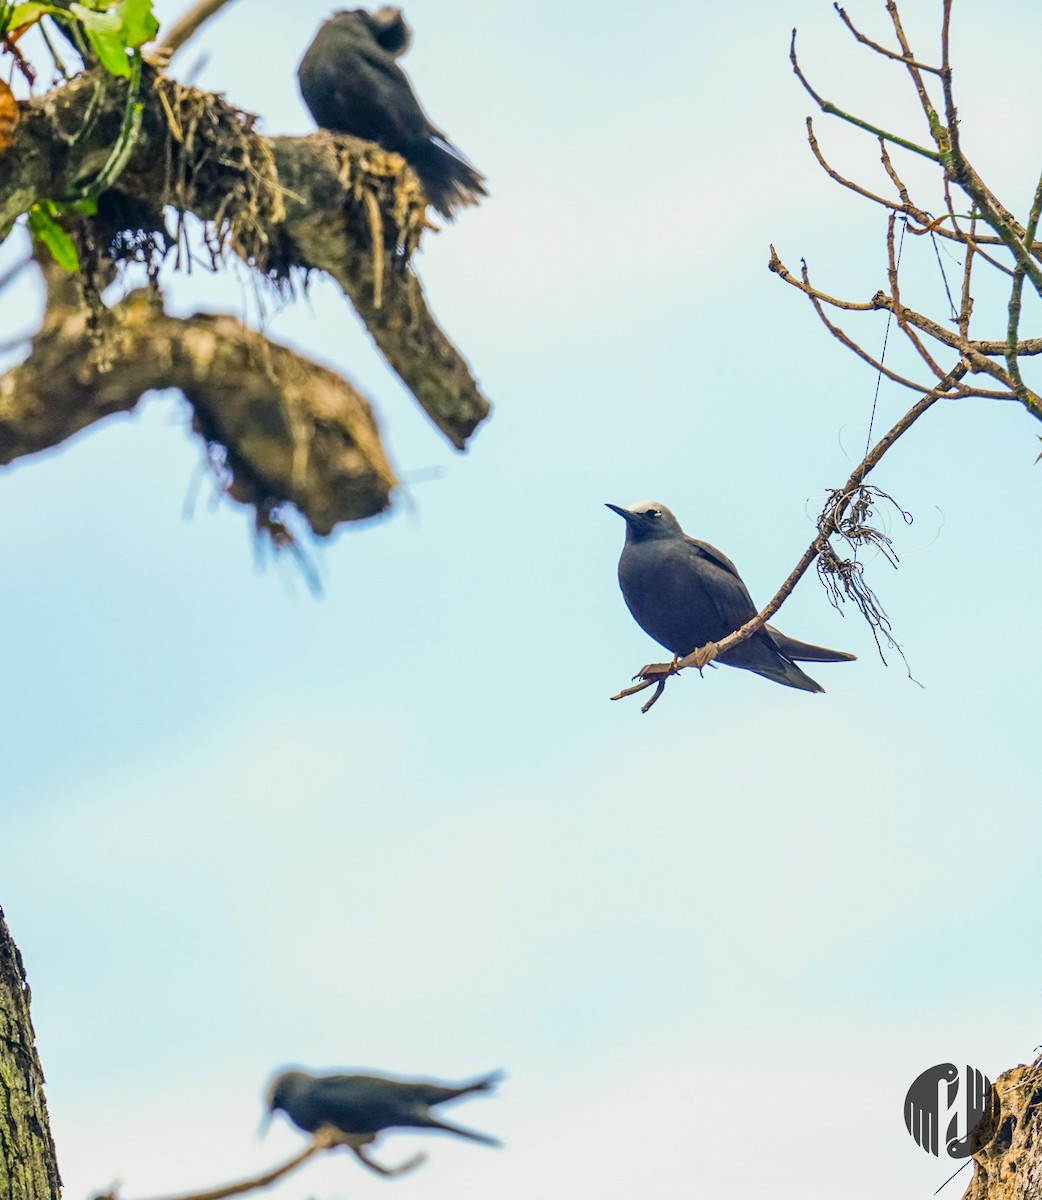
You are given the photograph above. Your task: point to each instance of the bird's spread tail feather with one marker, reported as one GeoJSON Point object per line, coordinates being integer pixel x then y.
{"type": "Point", "coordinates": [448, 179]}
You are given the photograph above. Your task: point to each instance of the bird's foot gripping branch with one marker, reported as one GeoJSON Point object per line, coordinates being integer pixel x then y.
{"type": "Point", "coordinates": [656, 674]}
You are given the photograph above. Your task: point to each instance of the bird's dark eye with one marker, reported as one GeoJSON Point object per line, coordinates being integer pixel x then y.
{"type": "Point", "coordinates": [654, 512]}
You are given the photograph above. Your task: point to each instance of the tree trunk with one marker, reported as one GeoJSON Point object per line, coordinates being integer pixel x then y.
{"type": "Point", "coordinates": [1009, 1164]}
{"type": "Point", "coordinates": [28, 1167]}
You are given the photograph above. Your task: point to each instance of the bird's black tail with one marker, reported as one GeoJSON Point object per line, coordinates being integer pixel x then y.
{"type": "Point", "coordinates": [806, 651]}
{"type": "Point", "coordinates": [433, 1122]}
{"type": "Point", "coordinates": [788, 674]}
{"type": "Point", "coordinates": [448, 179]}
{"type": "Point", "coordinates": [439, 1093]}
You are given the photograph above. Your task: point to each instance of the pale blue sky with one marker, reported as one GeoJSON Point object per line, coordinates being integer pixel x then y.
{"type": "Point", "coordinates": [400, 826]}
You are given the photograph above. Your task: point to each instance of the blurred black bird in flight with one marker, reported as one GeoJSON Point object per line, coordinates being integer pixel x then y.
{"type": "Point", "coordinates": [361, 1106]}
{"type": "Point", "coordinates": [685, 593]}
{"type": "Point", "coordinates": [352, 84]}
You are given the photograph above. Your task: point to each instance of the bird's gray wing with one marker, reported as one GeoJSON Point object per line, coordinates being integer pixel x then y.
{"type": "Point", "coordinates": [405, 120]}
{"type": "Point", "coordinates": [363, 1102]}
{"type": "Point", "coordinates": [352, 85]}
{"type": "Point", "coordinates": [354, 1103]}
{"type": "Point", "coordinates": [729, 594]}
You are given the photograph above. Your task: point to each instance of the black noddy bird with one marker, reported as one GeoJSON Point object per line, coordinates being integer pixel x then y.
{"type": "Point", "coordinates": [352, 84]}
{"type": "Point", "coordinates": [361, 1106]}
{"type": "Point", "coordinates": [685, 593]}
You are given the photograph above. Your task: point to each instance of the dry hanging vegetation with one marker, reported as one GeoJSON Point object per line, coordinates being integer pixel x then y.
{"type": "Point", "coordinates": [283, 433]}
{"type": "Point", "coordinates": [956, 364]}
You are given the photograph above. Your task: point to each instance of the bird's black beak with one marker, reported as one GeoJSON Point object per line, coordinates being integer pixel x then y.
{"type": "Point", "coordinates": [265, 1122]}
{"type": "Point", "coordinates": [625, 513]}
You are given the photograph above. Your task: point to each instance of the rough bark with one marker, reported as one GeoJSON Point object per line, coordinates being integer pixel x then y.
{"type": "Point", "coordinates": [28, 1166]}
{"type": "Point", "coordinates": [1009, 1164]}
{"type": "Point", "coordinates": [323, 202]}
{"type": "Point", "coordinates": [286, 206]}
{"type": "Point", "coordinates": [279, 427]}
{"type": "Point", "coordinates": [311, 171]}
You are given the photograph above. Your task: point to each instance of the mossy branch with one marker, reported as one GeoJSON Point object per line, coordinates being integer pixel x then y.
{"type": "Point", "coordinates": [286, 206]}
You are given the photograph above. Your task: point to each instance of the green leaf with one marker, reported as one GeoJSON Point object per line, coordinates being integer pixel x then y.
{"type": "Point", "coordinates": [104, 31]}
{"type": "Point", "coordinates": [46, 229]}
{"type": "Point", "coordinates": [139, 24]}
{"type": "Point", "coordinates": [96, 22]}
{"type": "Point", "coordinates": [86, 208]}
{"type": "Point", "coordinates": [26, 14]}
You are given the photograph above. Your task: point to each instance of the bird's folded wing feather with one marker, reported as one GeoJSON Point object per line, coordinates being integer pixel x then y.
{"type": "Point", "coordinates": [723, 583]}
{"type": "Point", "coordinates": [383, 74]}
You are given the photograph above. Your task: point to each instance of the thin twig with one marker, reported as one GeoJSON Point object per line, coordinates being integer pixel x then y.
{"type": "Point", "coordinates": [841, 179]}
{"type": "Point", "coordinates": [882, 49]}
{"type": "Point", "coordinates": [913, 70]}
{"type": "Point", "coordinates": [322, 1141]}
{"type": "Point", "coordinates": [827, 106]}
{"type": "Point", "coordinates": [878, 301]}
{"type": "Point", "coordinates": [975, 241]}
{"type": "Point", "coordinates": [1024, 393]}
{"type": "Point", "coordinates": [895, 302]}
{"type": "Point", "coordinates": [975, 351]}
{"type": "Point", "coordinates": [966, 300]}
{"type": "Point", "coordinates": [906, 207]}
{"type": "Point", "coordinates": [895, 179]}
{"type": "Point", "coordinates": [168, 44]}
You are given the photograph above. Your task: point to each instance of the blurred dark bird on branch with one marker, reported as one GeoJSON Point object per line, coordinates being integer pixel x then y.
{"type": "Point", "coordinates": [351, 84]}
{"type": "Point", "coordinates": [686, 593]}
{"type": "Point", "coordinates": [361, 1106]}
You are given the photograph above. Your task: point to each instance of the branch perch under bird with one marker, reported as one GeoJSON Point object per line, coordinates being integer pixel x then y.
{"type": "Point", "coordinates": [325, 1139]}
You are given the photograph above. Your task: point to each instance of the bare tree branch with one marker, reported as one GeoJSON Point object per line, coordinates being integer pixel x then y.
{"type": "Point", "coordinates": [280, 429]}
{"type": "Point", "coordinates": [1013, 329]}
{"type": "Point", "coordinates": [913, 69]}
{"type": "Point", "coordinates": [323, 1140]}
{"type": "Point", "coordinates": [184, 27]}
{"type": "Point", "coordinates": [827, 106]}
{"type": "Point", "coordinates": [326, 1138]}
{"type": "Point", "coordinates": [901, 58]}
